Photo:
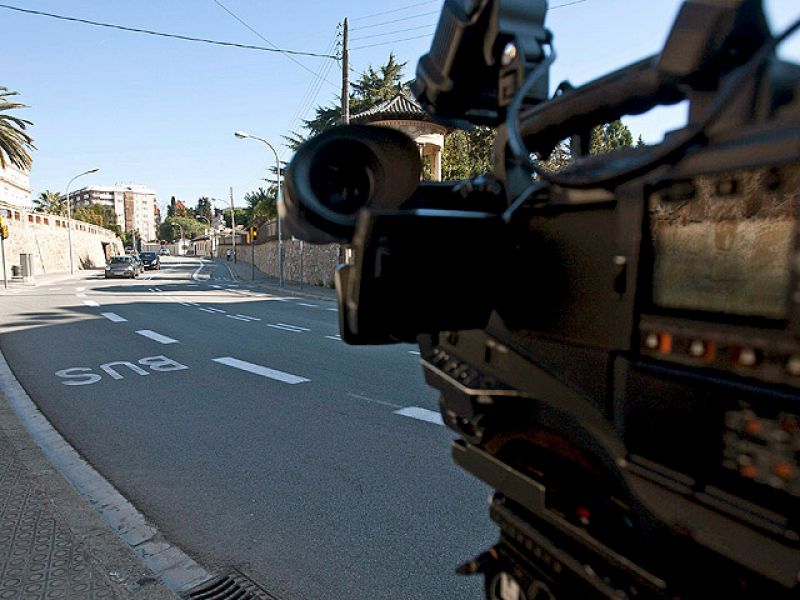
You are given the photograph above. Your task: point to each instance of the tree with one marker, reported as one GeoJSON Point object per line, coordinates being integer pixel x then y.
{"type": "Point", "coordinates": [15, 143]}
{"type": "Point", "coordinates": [171, 207]}
{"type": "Point", "coordinates": [262, 204]}
{"type": "Point", "coordinates": [371, 88]}
{"type": "Point", "coordinates": [203, 208]}
{"type": "Point", "coordinates": [97, 214]}
{"type": "Point", "coordinates": [467, 153]}
{"type": "Point", "coordinates": [51, 202]}
{"type": "Point", "coordinates": [605, 138]}
{"type": "Point", "coordinates": [610, 136]}
{"type": "Point", "coordinates": [170, 229]}
{"type": "Point", "coordinates": [242, 217]}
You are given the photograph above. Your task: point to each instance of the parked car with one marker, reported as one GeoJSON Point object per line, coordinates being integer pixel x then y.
{"type": "Point", "coordinates": [164, 252]}
{"type": "Point", "coordinates": [150, 260]}
{"type": "Point", "coordinates": [124, 266]}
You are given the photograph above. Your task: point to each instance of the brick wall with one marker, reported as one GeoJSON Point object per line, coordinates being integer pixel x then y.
{"type": "Point", "coordinates": [45, 237]}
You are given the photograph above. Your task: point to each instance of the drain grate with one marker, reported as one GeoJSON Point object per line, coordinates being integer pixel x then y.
{"type": "Point", "coordinates": [233, 586]}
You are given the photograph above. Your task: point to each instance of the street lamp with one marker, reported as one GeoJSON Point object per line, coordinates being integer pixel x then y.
{"type": "Point", "coordinates": [242, 135]}
{"type": "Point", "coordinates": [69, 217]}
{"type": "Point", "coordinates": [181, 246]}
{"type": "Point", "coordinates": [210, 231]}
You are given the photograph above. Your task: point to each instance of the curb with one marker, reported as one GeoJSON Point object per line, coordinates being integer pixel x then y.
{"type": "Point", "coordinates": [130, 551]}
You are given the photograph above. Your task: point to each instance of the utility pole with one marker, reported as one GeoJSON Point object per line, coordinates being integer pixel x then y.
{"type": "Point", "coordinates": [233, 228]}
{"type": "Point", "coordinates": [345, 76]}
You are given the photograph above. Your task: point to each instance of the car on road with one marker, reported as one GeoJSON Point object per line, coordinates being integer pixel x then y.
{"type": "Point", "coordinates": [164, 252]}
{"type": "Point", "coordinates": [150, 260]}
{"type": "Point", "coordinates": [123, 266]}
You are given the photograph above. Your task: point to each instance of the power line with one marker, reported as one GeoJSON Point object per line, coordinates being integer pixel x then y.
{"type": "Point", "coordinates": [162, 34]}
{"type": "Point", "coordinates": [287, 54]}
{"type": "Point", "coordinates": [418, 37]}
{"type": "Point", "coordinates": [387, 12]}
{"type": "Point", "coordinates": [435, 12]}
{"type": "Point", "coordinates": [567, 4]}
{"type": "Point", "coordinates": [374, 35]}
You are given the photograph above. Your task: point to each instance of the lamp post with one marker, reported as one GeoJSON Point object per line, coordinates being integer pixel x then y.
{"type": "Point", "coordinates": [181, 245]}
{"type": "Point", "coordinates": [243, 135]}
{"type": "Point", "coordinates": [210, 231]}
{"type": "Point", "coordinates": [69, 217]}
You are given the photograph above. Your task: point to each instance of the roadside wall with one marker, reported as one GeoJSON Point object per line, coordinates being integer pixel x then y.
{"type": "Point", "coordinates": [309, 263]}
{"type": "Point", "coordinates": [45, 236]}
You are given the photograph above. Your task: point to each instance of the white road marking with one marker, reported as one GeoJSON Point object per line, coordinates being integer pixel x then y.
{"type": "Point", "coordinates": [114, 317]}
{"type": "Point", "coordinates": [414, 352]}
{"type": "Point", "coordinates": [333, 309]}
{"type": "Point", "coordinates": [259, 370]}
{"type": "Point", "coordinates": [196, 274]}
{"type": "Point", "coordinates": [90, 303]}
{"type": "Point", "coordinates": [423, 414]}
{"type": "Point", "coordinates": [161, 339]}
{"type": "Point", "coordinates": [287, 328]}
{"type": "Point", "coordinates": [368, 399]}
{"type": "Point", "coordinates": [248, 317]}
{"type": "Point", "coordinates": [217, 310]}
{"type": "Point", "coordinates": [306, 304]}
{"type": "Point", "coordinates": [238, 318]}
{"type": "Point", "coordinates": [334, 337]}
{"type": "Point", "coordinates": [294, 326]}
{"type": "Point", "coordinates": [218, 287]}
{"type": "Point", "coordinates": [208, 310]}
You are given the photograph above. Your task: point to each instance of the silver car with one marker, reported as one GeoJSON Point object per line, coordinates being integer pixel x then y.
{"type": "Point", "coordinates": [123, 266]}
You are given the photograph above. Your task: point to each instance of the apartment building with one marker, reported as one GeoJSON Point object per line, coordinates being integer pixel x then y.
{"type": "Point", "coordinates": [15, 186]}
{"type": "Point", "coordinates": [134, 205]}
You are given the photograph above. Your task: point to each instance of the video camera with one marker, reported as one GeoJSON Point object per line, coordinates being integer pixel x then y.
{"type": "Point", "coordinates": [617, 343]}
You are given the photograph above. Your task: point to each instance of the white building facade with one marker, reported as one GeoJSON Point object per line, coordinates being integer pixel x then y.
{"type": "Point", "coordinates": [15, 186]}
{"type": "Point", "coordinates": [134, 205]}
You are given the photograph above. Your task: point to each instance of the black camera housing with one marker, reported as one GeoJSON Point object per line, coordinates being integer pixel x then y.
{"type": "Point", "coordinates": [617, 344]}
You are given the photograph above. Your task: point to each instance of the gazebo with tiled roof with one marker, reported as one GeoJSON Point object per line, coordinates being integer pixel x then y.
{"type": "Point", "coordinates": [402, 112]}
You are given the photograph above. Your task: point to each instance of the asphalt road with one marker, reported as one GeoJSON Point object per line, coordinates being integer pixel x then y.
{"type": "Point", "coordinates": [250, 435]}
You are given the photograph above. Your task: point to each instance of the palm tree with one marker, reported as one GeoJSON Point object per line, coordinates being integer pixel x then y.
{"type": "Point", "coordinates": [14, 142]}
{"type": "Point", "coordinates": [51, 202]}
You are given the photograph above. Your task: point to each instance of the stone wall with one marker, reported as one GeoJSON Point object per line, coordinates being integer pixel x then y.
{"type": "Point", "coordinates": [46, 238]}
{"type": "Point", "coordinates": [309, 263]}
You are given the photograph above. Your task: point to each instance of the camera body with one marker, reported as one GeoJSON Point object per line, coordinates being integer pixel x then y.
{"type": "Point", "coordinates": [617, 344]}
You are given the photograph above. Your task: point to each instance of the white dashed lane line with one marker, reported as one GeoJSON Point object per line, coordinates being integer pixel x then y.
{"type": "Point", "coordinates": [287, 327]}
{"type": "Point", "coordinates": [306, 304]}
{"type": "Point", "coordinates": [422, 414]}
{"type": "Point", "coordinates": [161, 339]}
{"type": "Point", "coordinates": [114, 317]}
{"type": "Point", "coordinates": [334, 337]}
{"type": "Point", "coordinates": [238, 318]}
{"type": "Point", "coordinates": [260, 370]}
{"type": "Point", "coordinates": [414, 352]}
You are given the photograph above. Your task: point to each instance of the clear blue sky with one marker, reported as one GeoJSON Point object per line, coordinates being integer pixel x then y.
{"type": "Point", "coordinates": [162, 112]}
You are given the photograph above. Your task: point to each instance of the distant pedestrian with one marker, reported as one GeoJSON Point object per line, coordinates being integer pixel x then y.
{"type": "Point", "coordinates": [228, 254]}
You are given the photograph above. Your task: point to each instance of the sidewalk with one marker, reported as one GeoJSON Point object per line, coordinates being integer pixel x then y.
{"type": "Point", "coordinates": [243, 272]}
{"type": "Point", "coordinates": [15, 284]}
{"type": "Point", "coordinates": [52, 543]}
